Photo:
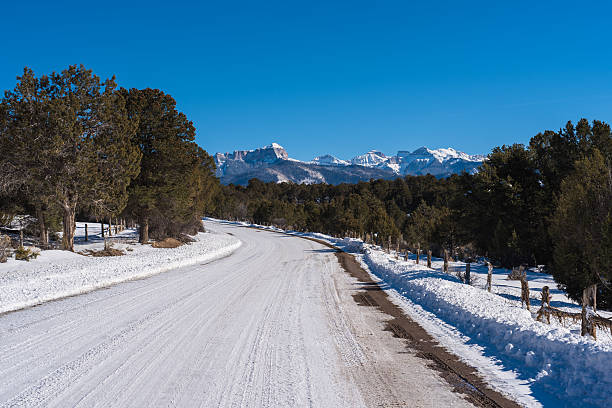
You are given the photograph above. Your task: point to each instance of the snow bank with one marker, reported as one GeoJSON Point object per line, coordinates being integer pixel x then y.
{"type": "Point", "coordinates": [57, 274]}
{"type": "Point", "coordinates": [532, 362]}
{"type": "Point", "coordinates": [560, 366]}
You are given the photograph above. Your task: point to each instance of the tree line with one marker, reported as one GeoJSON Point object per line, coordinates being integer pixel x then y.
{"type": "Point", "coordinates": [71, 143]}
{"type": "Point", "coordinates": [547, 203]}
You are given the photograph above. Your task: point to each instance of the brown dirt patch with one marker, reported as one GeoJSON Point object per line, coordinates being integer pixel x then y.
{"type": "Point", "coordinates": [167, 243]}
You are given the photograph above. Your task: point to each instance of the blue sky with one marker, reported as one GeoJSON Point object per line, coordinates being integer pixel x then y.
{"type": "Point", "coordinates": [336, 77]}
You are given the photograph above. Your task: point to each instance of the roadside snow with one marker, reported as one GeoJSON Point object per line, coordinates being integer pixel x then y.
{"type": "Point", "coordinates": [56, 274]}
{"type": "Point", "coordinates": [534, 363]}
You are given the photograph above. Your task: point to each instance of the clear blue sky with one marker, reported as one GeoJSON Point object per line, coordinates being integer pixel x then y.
{"type": "Point", "coordinates": [336, 77]}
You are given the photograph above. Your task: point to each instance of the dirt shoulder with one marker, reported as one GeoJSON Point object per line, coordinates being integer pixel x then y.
{"type": "Point", "coordinates": [462, 377]}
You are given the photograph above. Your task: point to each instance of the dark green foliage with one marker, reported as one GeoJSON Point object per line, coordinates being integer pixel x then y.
{"type": "Point", "coordinates": [581, 230]}
{"type": "Point", "coordinates": [176, 179]}
{"type": "Point", "coordinates": [506, 207]}
{"type": "Point", "coordinates": [66, 142]}
{"type": "Point", "coordinates": [70, 143]}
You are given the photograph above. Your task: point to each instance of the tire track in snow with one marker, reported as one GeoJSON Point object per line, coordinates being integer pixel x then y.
{"type": "Point", "coordinates": [266, 327]}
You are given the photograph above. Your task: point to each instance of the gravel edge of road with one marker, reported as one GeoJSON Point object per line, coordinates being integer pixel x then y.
{"type": "Point", "coordinates": [462, 377]}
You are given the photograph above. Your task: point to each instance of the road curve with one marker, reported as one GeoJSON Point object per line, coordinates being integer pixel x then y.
{"type": "Point", "coordinates": [273, 325]}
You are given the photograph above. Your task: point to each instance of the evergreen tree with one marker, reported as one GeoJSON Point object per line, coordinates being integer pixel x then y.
{"type": "Point", "coordinates": [25, 130]}
{"type": "Point", "coordinates": [582, 230]}
{"type": "Point", "coordinates": [176, 181]}
{"type": "Point", "coordinates": [70, 144]}
{"type": "Point", "coordinates": [92, 157]}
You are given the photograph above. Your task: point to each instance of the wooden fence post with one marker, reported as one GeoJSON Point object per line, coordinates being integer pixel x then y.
{"type": "Point", "coordinates": [429, 258]}
{"type": "Point", "coordinates": [524, 288]}
{"type": "Point", "coordinates": [489, 276]}
{"type": "Point", "coordinates": [86, 232]}
{"type": "Point", "coordinates": [418, 252]}
{"type": "Point", "coordinates": [467, 273]}
{"type": "Point", "coordinates": [545, 304]}
{"type": "Point", "coordinates": [445, 261]}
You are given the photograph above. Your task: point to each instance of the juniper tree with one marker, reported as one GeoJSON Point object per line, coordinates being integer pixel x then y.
{"type": "Point", "coordinates": [94, 159]}
{"type": "Point", "coordinates": [176, 176]}
{"type": "Point", "coordinates": [68, 143]}
{"type": "Point", "coordinates": [26, 128]}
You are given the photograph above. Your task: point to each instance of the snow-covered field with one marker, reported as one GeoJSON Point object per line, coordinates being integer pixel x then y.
{"type": "Point", "coordinates": [534, 363]}
{"type": "Point", "coordinates": [56, 274]}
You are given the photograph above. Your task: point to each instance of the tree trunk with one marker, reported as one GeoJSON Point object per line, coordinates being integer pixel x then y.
{"type": "Point", "coordinates": [144, 231]}
{"type": "Point", "coordinates": [588, 309]}
{"type": "Point", "coordinates": [42, 228]}
{"type": "Point", "coordinates": [445, 261]}
{"type": "Point", "coordinates": [68, 237]}
{"type": "Point", "coordinates": [102, 228]}
{"type": "Point", "coordinates": [418, 253]}
{"type": "Point", "coordinates": [429, 258]}
{"type": "Point", "coordinates": [489, 276]}
{"type": "Point", "coordinates": [467, 273]}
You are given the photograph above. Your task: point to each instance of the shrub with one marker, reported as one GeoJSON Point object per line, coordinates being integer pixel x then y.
{"type": "Point", "coordinates": [167, 243]}
{"type": "Point", "coordinates": [25, 254]}
{"type": "Point", "coordinates": [5, 244]}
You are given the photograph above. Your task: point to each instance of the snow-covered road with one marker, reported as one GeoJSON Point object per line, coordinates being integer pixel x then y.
{"type": "Point", "coordinates": [273, 325]}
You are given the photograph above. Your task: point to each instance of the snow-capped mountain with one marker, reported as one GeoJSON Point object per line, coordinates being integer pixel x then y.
{"type": "Point", "coordinates": [272, 163]}
{"type": "Point", "coordinates": [242, 161]}
{"type": "Point", "coordinates": [370, 159]}
{"type": "Point", "coordinates": [329, 160]}
{"type": "Point", "coordinates": [439, 162]}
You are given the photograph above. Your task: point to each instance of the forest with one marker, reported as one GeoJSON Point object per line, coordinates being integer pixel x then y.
{"type": "Point", "coordinates": [75, 146]}
{"type": "Point", "coordinates": [547, 204]}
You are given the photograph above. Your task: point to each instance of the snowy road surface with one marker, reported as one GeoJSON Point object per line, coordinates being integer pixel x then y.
{"type": "Point", "coordinates": [273, 325]}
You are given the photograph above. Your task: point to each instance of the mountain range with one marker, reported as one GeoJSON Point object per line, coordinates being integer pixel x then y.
{"type": "Point", "coordinates": [272, 164]}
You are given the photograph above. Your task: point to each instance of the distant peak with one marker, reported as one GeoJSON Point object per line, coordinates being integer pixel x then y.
{"type": "Point", "coordinates": [421, 150]}
{"type": "Point", "coordinates": [274, 145]}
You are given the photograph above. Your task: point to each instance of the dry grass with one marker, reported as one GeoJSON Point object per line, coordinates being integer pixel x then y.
{"type": "Point", "coordinates": [167, 243]}
{"type": "Point", "coordinates": [103, 252]}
